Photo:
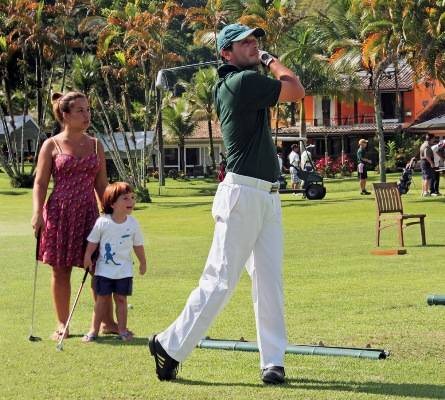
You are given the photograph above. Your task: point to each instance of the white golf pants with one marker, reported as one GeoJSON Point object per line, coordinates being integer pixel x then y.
{"type": "Point", "coordinates": [248, 232]}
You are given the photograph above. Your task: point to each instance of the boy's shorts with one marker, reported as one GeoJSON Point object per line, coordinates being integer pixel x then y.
{"type": "Point", "coordinates": [361, 171]}
{"type": "Point", "coordinates": [105, 286]}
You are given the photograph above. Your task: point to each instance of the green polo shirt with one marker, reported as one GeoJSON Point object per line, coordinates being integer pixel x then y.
{"type": "Point", "coordinates": [361, 154]}
{"type": "Point", "coordinates": [242, 98]}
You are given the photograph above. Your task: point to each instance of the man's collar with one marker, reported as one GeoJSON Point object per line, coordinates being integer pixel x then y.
{"type": "Point", "coordinates": [225, 69]}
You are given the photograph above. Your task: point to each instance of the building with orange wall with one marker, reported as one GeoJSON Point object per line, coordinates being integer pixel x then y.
{"type": "Point", "coordinates": [333, 126]}
{"type": "Point", "coordinates": [336, 126]}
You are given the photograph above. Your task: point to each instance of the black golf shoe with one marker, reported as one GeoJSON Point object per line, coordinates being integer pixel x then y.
{"type": "Point", "coordinates": [166, 367]}
{"type": "Point", "coordinates": [273, 375]}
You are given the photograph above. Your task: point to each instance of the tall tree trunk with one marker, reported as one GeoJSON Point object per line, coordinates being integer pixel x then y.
{"type": "Point", "coordinates": [122, 130]}
{"type": "Point", "coordinates": [11, 160]}
{"type": "Point", "coordinates": [127, 111]}
{"type": "Point", "coordinates": [212, 150]}
{"type": "Point", "coordinates": [39, 88]}
{"type": "Point", "coordinates": [182, 156]}
{"type": "Point", "coordinates": [8, 100]}
{"type": "Point", "coordinates": [117, 159]}
{"type": "Point", "coordinates": [380, 133]}
{"type": "Point", "coordinates": [65, 62]}
{"type": "Point", "coordinates": [147, 97]}
{"type": "Point", "coordinates": [292, 114]}
{"type": "Point", "coordinates": [22, 137]}
{"type": "Point", "coordinates": [160, 137]}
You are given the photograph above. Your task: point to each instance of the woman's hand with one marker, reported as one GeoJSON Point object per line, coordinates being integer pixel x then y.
{"type": "Point", "coordinates": [37, 223]}
{"type": "Point", "coordinates": [87, 263]}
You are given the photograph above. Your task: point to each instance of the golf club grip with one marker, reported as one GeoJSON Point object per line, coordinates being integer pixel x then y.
{"type": "Point", "coordinates": [38, 244]}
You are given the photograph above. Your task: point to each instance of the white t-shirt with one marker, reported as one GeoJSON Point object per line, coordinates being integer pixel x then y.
{"type": "Point", "coordinates": [280, 163]}
{"type": "Point", "coordinates": [294, 159]}
{"type": "Point", "coordinates": [438, 160]}
{"type": "Point", "coordinates": [305, 157]}
{"type": "Point", "coordinates": [116, 243]}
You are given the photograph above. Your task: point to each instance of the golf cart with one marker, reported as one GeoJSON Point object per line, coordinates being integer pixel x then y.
{"type": "Point", "coordinates": [313, 187]}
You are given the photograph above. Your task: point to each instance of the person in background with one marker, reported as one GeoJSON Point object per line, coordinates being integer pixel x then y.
{"type": "Point", "coordinates": [361, 165]}
{"type": "Point", "coordinates": [294, 161]}
{"type": "Point", "coordinates": [426, 164]}
{"type": "Point", "coordinates": [439, 156]}
{"type": "Point", "coordinates": [306, 158]}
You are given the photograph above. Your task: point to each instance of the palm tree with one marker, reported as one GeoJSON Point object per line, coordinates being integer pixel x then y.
{"type": "Point", "coordinates": [205, 21]}
{"type": "Point", "coordinates": [424, 34]}
{"type": "Point", "coordinates": [316, 74]}
{"type": "Point", "coordinates": [200, 94]}
{"type": "Point", "coordinates": [349, 33]}
{"type": "Point", "coordinates": [177, 116]}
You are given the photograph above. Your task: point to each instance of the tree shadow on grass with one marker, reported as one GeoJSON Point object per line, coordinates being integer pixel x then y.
{"type": "Point", "coordinates": [298, 201]}
{"type": "Point", "coordinates": [183, 204]}
{"type": "Point", "coordinates": [11, 193]}
{"type": "Point", "coordinates": [409, 390]}
{"type": "Point", "coordinates": [114, 340]}
{"type": "Point", "coordinates": [428, 245]}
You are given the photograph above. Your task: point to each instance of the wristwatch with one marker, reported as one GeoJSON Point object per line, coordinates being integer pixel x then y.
{"type": "Point", "coordinates": [265, 57]}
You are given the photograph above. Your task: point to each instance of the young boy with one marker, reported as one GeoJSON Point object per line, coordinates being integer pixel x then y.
{"type": "Point", "coordinates": [116, 233]}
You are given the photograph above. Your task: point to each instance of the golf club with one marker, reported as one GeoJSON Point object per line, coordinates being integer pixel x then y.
{"type": "Point", "coordinates": [31, 337]}
{"type": "Point", "coordinates": [59, 346]}
{"type": "Point", "coordinates": [161, 78]}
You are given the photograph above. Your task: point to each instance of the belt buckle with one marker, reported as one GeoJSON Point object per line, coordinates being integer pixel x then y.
{"type": "Point", "coordinates": [274, 188]}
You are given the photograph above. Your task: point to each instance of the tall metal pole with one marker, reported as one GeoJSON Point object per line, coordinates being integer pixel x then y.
{"type": "Point", "coordinates": [160, 138]}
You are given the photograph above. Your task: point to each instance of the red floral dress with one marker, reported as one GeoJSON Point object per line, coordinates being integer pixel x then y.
{"type": "Point", "coordinates": [71, 209]}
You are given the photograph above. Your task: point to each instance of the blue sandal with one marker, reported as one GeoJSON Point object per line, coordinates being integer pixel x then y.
{"type": "Point", "coordinates": [126, 336]}
{"type": "Point", "coordinates": [89, 337]}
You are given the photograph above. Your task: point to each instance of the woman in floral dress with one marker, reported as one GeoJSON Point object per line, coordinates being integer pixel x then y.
{"type": "Point", "coordinates": [76, 163]}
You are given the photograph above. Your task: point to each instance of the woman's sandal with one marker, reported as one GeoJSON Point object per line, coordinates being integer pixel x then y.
{"type": "Point", "coordinates": [57, 334]}
{"type": "Point", "coordinates": [89, 337]}
{"type": "Point", "coordinates": [126, 336]}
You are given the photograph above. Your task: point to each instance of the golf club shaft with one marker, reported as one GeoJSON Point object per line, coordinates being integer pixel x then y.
{"type": "Point", "coordinates": [35, 283]}
{"type": "Point", "coordinates": [201, 64]}
{"type": "Point", "coordinates": [59, 344]}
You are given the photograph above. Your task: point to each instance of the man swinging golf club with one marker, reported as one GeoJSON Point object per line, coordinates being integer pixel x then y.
{"type": "Point", "coordinates": [246, 209]}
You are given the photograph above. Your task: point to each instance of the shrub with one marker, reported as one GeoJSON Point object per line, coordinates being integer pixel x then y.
{"type": "Point", "coordinates": [346, 168]}
{"type": "Point", "coordinates": [22, 181]}
{"type": "Point", "coordinates": [326, 167]}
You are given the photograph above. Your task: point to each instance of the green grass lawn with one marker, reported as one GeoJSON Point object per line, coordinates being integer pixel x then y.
{"type": "Point", "coordinates": [335, 290]}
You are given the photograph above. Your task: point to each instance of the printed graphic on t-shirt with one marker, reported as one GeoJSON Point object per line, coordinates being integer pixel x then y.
{"type": "Point", "coordinates": [109, 254]}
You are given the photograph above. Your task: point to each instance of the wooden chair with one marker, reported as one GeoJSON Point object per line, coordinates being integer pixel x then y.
{"type": "Point", "coordinates": [390, 208]}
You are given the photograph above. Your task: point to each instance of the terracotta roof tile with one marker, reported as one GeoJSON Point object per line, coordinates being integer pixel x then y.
{"type": "Point", "coordinates": [201, 131]}
{"type": "Point", "coordinates": [405, 77]}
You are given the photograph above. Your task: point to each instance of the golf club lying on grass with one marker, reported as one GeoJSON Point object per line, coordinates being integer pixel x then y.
{"type": "Point", "coordinates": [320, 350]}
{"type": "Point", "coordinates": [59, 346]}
{"type": "Point", "coordinates": [31, 337]}
{"type": "Point", "coordinates": [436, 300]}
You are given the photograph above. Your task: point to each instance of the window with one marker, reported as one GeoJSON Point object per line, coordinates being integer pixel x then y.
{"type": "Point", "coordinates": [171, 156]}
{"type": "Point", "coordinates": [388, 105]}
{"type": "Point", "coordinates": [326, 110]}
{"type": "Point", "coordinates": [192, 156]}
